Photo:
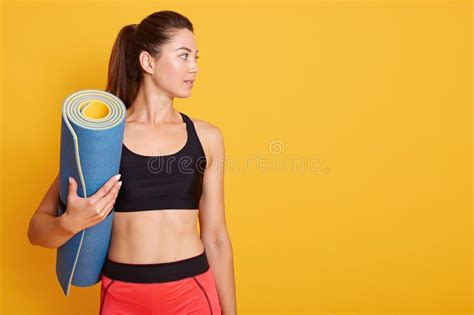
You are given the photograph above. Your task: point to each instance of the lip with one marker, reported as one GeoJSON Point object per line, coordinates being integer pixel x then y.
{"type": "Point", "coordinates": [189, 83]}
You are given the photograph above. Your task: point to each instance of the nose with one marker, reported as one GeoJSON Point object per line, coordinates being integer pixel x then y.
{"type": "Point", "coordinates": [194, 67]}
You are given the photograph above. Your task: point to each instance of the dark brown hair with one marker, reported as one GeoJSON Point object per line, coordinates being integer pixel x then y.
{"type": "Point", "coordinates": [125, 72]}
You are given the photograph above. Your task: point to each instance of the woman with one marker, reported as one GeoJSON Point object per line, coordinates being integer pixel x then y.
{"type": "Point", "coordinates": [172, 173]}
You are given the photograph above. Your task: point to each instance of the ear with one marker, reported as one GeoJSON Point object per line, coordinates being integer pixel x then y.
{"type": "Point", "coordinates": [147, 62]}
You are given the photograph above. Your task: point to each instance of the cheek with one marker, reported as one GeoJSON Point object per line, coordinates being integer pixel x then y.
{"type": "Point", "coordinates": [170, 72]}
{"type": "Point", "coordinates": [175, 66]}
{"type": "Point", "coordinates": [169, 77]}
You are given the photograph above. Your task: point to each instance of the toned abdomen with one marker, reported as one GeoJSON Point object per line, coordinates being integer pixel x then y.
{"type": "Point", "coordinates": [146, 237]}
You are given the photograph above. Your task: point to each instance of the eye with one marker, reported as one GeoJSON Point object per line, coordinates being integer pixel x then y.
{"type": "Point", "coordinates": [186, 54]}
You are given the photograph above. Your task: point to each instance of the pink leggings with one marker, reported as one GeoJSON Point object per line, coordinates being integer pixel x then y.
{"type": "Point", "coordinates": [179, 287]}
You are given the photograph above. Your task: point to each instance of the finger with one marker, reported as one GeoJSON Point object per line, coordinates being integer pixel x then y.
{"type": "Point", "coordinates": [107, 208]}
{"type": "Point", "coordinates": [105, 189]}
{"type": "Point", "coordinates": [110, 196]}
{"type": "Point", "coordinates": [72, 188]}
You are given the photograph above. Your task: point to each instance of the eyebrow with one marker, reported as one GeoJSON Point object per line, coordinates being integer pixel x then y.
{"type": "Point", "coordinates": [186, 48]}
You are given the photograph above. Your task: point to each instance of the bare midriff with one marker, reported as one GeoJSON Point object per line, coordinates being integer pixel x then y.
{"type": "Point", "coordinates": [155, 236]}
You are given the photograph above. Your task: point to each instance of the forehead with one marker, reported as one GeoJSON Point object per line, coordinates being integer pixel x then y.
{"type": "Point", "coordinates": [183, 40]}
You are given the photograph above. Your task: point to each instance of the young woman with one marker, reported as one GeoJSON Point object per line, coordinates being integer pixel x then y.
{"type": "Point", "coordinates": [172, 173]}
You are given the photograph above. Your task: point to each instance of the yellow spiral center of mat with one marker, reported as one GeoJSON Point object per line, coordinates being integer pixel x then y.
{"type": "Point", "coordinates": [94, 109]}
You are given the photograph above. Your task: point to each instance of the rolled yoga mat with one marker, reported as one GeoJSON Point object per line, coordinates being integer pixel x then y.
{"type": "Point", "coordinates": [92, 131]}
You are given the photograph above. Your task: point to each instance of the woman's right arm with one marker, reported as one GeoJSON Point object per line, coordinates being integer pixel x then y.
{"type": "Point", "coordinates": [48, 230]}
{"type": "Point", "coordinates": [45, 228]}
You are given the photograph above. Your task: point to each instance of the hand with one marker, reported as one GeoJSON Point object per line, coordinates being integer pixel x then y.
{"type": "Point", "coordinates": [82, 213]}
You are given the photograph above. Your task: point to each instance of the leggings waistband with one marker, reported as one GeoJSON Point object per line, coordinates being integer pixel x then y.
{"type": "Point", "coordinates": [159, 272]}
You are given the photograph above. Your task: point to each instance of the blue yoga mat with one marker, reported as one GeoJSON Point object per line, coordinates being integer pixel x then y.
{"type": "Point", "coordinates": [92, 130]}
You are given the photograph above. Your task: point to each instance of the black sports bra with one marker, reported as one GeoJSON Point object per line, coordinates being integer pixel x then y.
{"type": "Point", "coordinates": [162, 182]}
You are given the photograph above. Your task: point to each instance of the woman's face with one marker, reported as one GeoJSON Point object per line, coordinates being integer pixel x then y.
{"type": "Point", "coordinates": [178, 63]}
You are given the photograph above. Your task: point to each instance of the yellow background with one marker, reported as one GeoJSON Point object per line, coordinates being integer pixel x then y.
{"type": "Point", "coordinates": [348, 132]}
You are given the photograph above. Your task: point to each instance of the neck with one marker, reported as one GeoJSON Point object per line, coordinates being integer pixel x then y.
{"type": "Point", "coordinates": [152, 106]}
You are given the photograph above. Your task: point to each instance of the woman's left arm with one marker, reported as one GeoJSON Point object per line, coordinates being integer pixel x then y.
{"type": "Point", "coordinates": [213, 230]}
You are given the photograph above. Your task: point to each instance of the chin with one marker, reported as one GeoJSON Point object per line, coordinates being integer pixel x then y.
{"type": "Point", "coordinates": [183, 94]}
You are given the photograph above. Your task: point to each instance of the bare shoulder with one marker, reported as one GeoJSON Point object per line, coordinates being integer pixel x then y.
{"type": "Point", "coordinates": [210, 135]}
{"type": "Point", "coordinates": [207, 129]}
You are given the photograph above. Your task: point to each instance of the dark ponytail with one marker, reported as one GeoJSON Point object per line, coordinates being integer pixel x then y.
{"type": "Point", "coordinates": [125, 72]}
